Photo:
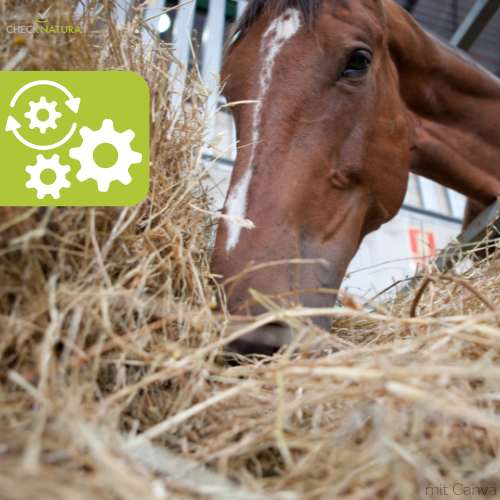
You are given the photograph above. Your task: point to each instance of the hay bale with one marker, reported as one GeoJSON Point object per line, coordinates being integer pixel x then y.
{"type": "Point", "coordinates": [111, 383]}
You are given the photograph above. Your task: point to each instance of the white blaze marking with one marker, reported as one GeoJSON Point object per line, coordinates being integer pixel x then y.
{"type": "Point", "coordinates": [278, 32]}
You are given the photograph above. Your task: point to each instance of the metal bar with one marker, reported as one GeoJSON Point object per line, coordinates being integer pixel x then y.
{"type": "Point", "coordinates": [478, 228]}
{"type": "Point", "coordinates": [476, 231]}
{"type": "Point", "coordinates": [474, 23]}
{"type": "Point", "coordinates": [430, 213]}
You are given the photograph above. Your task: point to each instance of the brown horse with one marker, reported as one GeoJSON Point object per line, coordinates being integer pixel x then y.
{"type": "Point", "coordinates": [351, 96]}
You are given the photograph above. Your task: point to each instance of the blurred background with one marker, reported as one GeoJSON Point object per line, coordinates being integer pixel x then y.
{"type": "Point", "coordinates": [431, 214]}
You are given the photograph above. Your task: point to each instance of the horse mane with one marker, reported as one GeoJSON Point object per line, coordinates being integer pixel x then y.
{"type": "Point", "coordinates": [309, 8]}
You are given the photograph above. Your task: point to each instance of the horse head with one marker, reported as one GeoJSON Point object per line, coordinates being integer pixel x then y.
{"type": "Point", "coordinates": [320, 155]}
{"type": "Point", "coordinates": [324, 148]}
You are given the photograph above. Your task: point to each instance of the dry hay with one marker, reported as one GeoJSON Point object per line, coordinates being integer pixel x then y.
{"type": "Point", "coordinates": [112, 385]}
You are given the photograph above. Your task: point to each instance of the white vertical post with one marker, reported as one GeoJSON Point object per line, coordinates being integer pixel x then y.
{"type": "Point", "coordinates": [457, 203]}
{"type": "Point", "coordinates": [182, 31]}
{"type": "Point", "coordinates": [122, 7]}
{"type": "Point", "coordinates": [240, 7]}
{"type": "Point", "coordinates": [430, 198]}
{"type": "Point", "coordinates": [153, 9]}
{"type": "Point", "coordinates": [212, 42]}
{"type": "Point", "coordinates": [81, 6]}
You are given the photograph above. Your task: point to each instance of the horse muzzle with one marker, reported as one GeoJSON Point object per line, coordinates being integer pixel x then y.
{"type": "Point", "coordinates": [273, 337]}
{"type": "Point", "coordinates": [265, 340]}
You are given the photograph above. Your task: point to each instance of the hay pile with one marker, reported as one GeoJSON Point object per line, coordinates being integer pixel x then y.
{"type": "Point", "coordinates": [111, 381]}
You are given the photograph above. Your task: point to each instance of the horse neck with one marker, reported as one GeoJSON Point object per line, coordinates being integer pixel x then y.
{"type": "Point", "coordinates": [452, 110]}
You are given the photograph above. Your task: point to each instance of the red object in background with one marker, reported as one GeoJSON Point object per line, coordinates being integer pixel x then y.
{"type": "Point", "coordinates": [422, 244]}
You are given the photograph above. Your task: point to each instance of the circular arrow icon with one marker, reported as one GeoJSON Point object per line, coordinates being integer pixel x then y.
{"type": "Point", "coordinates": [72, 103]}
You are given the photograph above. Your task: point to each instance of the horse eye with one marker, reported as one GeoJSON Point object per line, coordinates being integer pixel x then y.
{"type": "Point", "coordinates": [358, 64]}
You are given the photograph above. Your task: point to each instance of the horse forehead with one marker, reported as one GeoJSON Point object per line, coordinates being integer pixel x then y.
{"type": "Point", "coordinates": [366, 16]}
{"type": "Point", "coordinates": [339, 21]}
{"type": "Point", "coordinates": [285, 26]}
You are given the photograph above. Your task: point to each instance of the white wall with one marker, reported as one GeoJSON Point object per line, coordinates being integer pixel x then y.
{"type": "Point", "coordinates": [385, 255]}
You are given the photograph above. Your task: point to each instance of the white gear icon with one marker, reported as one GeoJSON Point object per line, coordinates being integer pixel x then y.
{"type": "Point", "coordinates": [36, 182]}
{"type": "Point", "coordinates": [85, 155]}
{"type": "Point", "coordinates": [50, 121]}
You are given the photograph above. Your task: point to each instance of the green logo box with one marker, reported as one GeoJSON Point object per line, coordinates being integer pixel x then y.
{"type": "Point", "coordinates": [73, 138]}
